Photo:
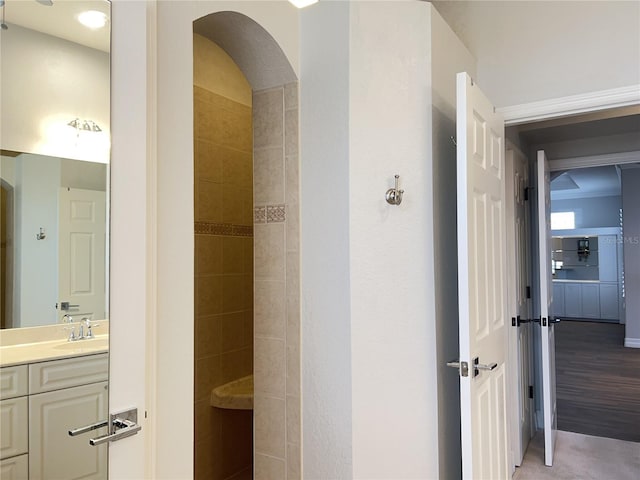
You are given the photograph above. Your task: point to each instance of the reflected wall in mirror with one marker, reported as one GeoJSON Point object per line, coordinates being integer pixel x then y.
{"type": "Point", "coordinates": [55, 141]}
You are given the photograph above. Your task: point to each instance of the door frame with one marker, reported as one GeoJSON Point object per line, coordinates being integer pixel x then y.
{"type": "Point", "coordinates": [559, 108]}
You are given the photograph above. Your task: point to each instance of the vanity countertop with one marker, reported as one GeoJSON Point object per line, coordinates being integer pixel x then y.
{"type": "Point", "coordinates": [51, 350]}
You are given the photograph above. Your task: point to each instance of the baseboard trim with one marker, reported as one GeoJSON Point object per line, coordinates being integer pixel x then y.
{"type": "Point", "coordinates": [571, 105]}
{"type": "Point", "coordinates": [632, 342]}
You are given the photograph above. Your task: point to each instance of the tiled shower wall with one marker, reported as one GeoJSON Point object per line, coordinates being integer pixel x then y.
{"type": "Point", "coordinates": [223, 207]}
{"type": "Point", "coordinates": [277, 299]}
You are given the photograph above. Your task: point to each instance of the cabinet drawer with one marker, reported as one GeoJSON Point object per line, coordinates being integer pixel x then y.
{"type": "Point", "coordinates": [13, 381]}
{"type": "Point", "coordinates": [70, 372]}
{"type": "Point", "coordinates": [14, 439]}
{"type": "Point", "coordinates": [15, 468]}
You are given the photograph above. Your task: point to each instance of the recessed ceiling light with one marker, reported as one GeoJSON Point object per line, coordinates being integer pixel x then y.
{"type": "Point", "coordinates": [93, 19]}
{"type": "Point", "coordinates": [303, 3]}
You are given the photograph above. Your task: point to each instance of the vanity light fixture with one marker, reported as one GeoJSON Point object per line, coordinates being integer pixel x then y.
{"type": "Point", "coordinates": [302, 3]}
{"type": "Point", "coordinates": [47, 3]}
{"type": "Point", "coordinates": [85, 125]}
{"type": "Point", "coordinates": [3, 25]}
{"type": "Point", "coordinates": [92, 19]}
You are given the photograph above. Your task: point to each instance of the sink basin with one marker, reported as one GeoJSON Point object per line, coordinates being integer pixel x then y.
{"type": "Point", "coordinates": [87, 344]}
{"type": "Point", "coordinates": [235, 395]}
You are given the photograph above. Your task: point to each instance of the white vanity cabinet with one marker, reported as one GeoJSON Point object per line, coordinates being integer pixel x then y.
{"type": "Point", "coordinates": [40, 403]}
{"type": "Point", "coordinates": [14, 419]}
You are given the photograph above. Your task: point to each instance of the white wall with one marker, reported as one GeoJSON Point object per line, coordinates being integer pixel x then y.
{"type": "Point", "coordinates": [36, 261]}
{"type": "Point", "coordinates": [448, 57]}
{"type": "Point", "coordinates": [392, 282]}
{"type": "Point", "coordinates": [532, 50]}
{"type": "Point", "coordinates": [592, 212]}
{"type": "Point", "coordinates": [46, 83]}
{"type": "Point", "coordinates": [325, 270]}
{"type": "Point", "coordinates": [631, 237]}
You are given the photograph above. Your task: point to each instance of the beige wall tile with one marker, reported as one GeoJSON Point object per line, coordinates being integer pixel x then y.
{"type": "Point", "coordinates": [270, 311]}
{"type": "Point", "coordinates": [231, 332]}
{"type": "Point", "coordinates": [207, 336]}
{"type": "Point", "coordinates": [293, 420]}
{"type": "Point", "coordinates": [208, 253]}
{"type": "Point", "coordinates": [208, 206]}
{"type": "Point", "coordinates": [207, 377]}
{"type": "Point", "coordinates": [233, 293]}
{"type": "Point", "coordinates": [247, 291]}
{"type": "Point", "coordinates": [269, 426]}
{"type": "Point", "coordinates": [232, 205]}
{"type": "Point", "coordinates": [248, 329]}
{"type": "Point", "coordinates": [268, 176]}
{"type": "Point", "coordinates": [208, 295]}
{"type": "Point", "coordinates": [293, 298]}
{"type": "Point", "coordinates": [268, 107]}
{"type": "Point", "coordinates": [269, 251]}
{"type": "Point", "coordinates": [232, 255]}
{"type": "Point", "coordinates": [269, 468]}
{"type": "Point", "coordinates": [247, 246]}
{"type": "Point", "coordinates": [233, 366]}
{"type": "Point", "coordinates": [269, 367]}
{"type": "Point", "coordinates": [293, 369]}
{"type": "Point", "coordinates": [208, 161]}
{"type": "Point", "coordinates": [294, 462]}
{"type": "Point", "coordinates": [237, 167]}
{"type": "Point", "coordinates": [291, 132]}
{"type": "Point", "coordinates": [291, 96]}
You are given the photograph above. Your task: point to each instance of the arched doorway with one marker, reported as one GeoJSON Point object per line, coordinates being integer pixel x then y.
{"type": "Point", "coordinates": [249, 310]}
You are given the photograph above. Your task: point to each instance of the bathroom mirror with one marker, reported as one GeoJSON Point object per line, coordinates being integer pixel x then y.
{"type": "Point", "coordinates": [55, 142]}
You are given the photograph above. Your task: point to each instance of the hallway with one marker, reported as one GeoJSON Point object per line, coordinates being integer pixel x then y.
{"type": "Point", "coordinates": [581, 457]}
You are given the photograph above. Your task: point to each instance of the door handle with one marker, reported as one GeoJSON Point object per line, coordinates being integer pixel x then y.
{"type": "Point", "coordinates": [462, 367]}
{"type": "Point", "coordinates": [66, 306]}
{"type": "Point", "coordinates": [477, 366]}
{"type": "Point", "coordinates": [121, 425]}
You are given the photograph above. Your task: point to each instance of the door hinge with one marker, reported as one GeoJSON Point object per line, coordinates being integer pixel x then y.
{"type": "Point", "coordinates": [543, 321]}
{"type": "Point", "coordinates": [526, 194]}
{"type": "Point", "coordinates": [530, 391]}
{"type": "Point", "coordinates": [528, 291]}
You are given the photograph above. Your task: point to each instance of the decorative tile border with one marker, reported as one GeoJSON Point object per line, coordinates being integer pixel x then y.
{"type": "Point", "coordinates": [270, 214]}
{"type": "Point", "coordinates": [276, 213]}
{"type": "Point", "coordinates": [260, 215]}
{"type": "Point", "coordinates": [223, 229]}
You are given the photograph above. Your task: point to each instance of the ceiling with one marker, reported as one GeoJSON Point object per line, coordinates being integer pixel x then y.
{"type": "Point", "coordinates": [60, 20]}
{"type": "Point", "coordinates": [541, 133]}
{"type": "Point", "coordinates": [586, 182]}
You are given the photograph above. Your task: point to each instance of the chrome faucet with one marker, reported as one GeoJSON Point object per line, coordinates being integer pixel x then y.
{"type": "Point", "coordinates": [85, 331]}
{"type": "Point", "coordinates": [72, 333]}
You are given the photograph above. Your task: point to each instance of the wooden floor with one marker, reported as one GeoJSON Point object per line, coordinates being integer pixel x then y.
{"type": "Point", "coordinates": [598, 380]}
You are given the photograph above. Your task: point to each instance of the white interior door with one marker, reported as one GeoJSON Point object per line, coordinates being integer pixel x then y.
{"type": "Point", "coordinates": [481, 283]}
{"type": "Point", "coordinates": [82, 240]}
{"type": "Point", "coordinates": [520, 412]}
{"type": "Point", "coordinates": [546, 324]}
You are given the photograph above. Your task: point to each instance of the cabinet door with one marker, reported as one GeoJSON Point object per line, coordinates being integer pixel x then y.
{"type": "Point", "coordinates": [15, 468]}
{"type": "Point", "coordinates": [558, 300]}
{"type": "Point", "coordinates": [609, 301]}
{"type": "Point", "coordinates": [55, 454]}
{"type": "Point", "coordinates": [590, 300]}
{"type": "Point", "coordinates": [572, 300]}
{"type": "Point", "coordinates": [608, 265]}
{"type": "Point", "coordinates": [14, 431]}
